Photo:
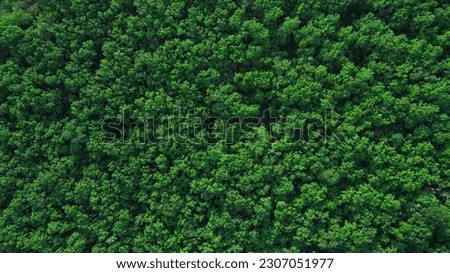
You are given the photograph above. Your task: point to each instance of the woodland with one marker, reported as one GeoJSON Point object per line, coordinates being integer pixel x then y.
{"type": "Point", "coordinates": [369, 170]}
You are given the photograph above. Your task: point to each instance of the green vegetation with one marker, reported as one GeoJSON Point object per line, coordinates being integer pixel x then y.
{"type": "Point", "coordinates": [383, 67]}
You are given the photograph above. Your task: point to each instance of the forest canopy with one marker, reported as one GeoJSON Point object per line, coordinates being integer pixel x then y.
{"type": "Point", "coordinates": [363, 165]}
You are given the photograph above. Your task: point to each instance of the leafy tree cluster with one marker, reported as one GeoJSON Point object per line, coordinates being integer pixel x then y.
{"type": "Point", "coordinates": [382, 66]}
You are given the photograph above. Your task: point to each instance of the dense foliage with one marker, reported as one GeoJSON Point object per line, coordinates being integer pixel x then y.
{"type": "Point", "coordinates": [383, 67]}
